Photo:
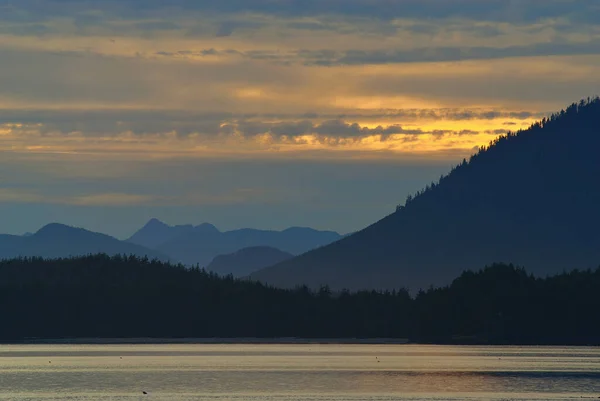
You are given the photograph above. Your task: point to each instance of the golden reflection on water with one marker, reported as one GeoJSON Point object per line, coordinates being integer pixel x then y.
{"type": "Point", "coordinates": [295, 372]}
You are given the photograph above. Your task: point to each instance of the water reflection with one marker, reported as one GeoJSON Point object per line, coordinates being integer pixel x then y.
{"type": "Point", "coordinates": [297, 372]}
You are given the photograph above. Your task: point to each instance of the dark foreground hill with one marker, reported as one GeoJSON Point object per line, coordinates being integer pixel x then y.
{"type": "Point", "coordinates": [530, 198]}
{"type": "Point", "coordinates": [58, 240]}
{"type": "Point", "coordinates": [199, 245]}
{"type": "Point", "coordinates": [247, 260]}
{"type": "Point", "coordinates": [118, 297]}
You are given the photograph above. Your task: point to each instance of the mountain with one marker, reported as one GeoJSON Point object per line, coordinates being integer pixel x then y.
{"type": "Point", "coordinates": [58, 240]}
{"type": "Point", "coordinates": [247, 260]}
{"type": "Point", "coordinates": [531, 197]}
{"type": "Point", "coordinates": [155, 233]}
{"type": "Point", "coordinates": [201, 244]}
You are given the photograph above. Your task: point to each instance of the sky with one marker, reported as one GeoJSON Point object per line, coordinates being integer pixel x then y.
{"type": "Point", "coordinates": [267, 113]}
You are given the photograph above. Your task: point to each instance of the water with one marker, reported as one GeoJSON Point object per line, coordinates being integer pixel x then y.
{"type": "Point", "coordinates": [297, 372]}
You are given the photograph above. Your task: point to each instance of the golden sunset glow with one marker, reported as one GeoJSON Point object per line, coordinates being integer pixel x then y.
{"type": "Point", "coordinates": [113, 87]}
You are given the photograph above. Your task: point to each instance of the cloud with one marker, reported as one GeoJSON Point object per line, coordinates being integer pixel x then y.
{"type": "Point", "coordinates": [157, 26]}
{"type": "Point", "coordinates": [228, 27]}
{"type": "Point", "coordinates": [117, 121]}
{"type": "Point", "coordinates": [109, 199]}
{"type": "Point", "coordinates": [123, 199]}
{"type": "Point", "coordinates": [15, 195]}
{"type": "Point", "coordinates": [104, 102]}
{"type": "Point", "coordinates": [302, 140]}
{"type": "Point", "coordinates": [330, 128]}
{"type": "Point", "coordinates": [524, 10]}
{"type": "Point", "coordinates": [499, 131]}
{"type": "Point", "coordinates": [332, 57]}
{"type": "Point", "coordinates": [18, 195]}
{"type": "Point", "coordinates": [359, 57]}
{"type": "Point", "coordinates": [204, 18]}
{"type": "Point", "coordinates": [106, 124]}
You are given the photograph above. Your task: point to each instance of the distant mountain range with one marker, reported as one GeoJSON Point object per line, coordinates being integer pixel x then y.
{"type": "Point", "coordinates": [247, 260]}
{"type": "Point", "coordinates": [58, 240]}
{"type": "Point", "coordinates": [244, 251]}
{"type": "Point", "coordinates": [531, 198]}
{"type": "Point", "coordinates": [193, 245]}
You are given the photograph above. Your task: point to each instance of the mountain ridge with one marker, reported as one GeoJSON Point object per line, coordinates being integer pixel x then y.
{"type": "Point", "coordinates": [56, 240]}
{"type": "Point", "coordinates": [527, 198]}
{"type": "Point", "coordinates": [199, 245]}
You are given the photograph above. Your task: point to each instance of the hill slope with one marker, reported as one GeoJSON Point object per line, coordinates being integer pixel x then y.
{"type": "Point", "coordinates": [247, 260]}
{"type": "Point", "coordinates": [201, 244]}
{"type": "Point", "coordinates": [57, 240]}
{"type": "Point", "coordinates": [530, 198]}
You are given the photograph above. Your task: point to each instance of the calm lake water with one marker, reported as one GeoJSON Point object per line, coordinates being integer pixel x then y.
{"type": "Point", "coordinates": [297, 372]}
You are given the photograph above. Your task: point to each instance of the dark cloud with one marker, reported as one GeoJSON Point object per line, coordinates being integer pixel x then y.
{"type": "Point", "coordinates": [467, 132]}
{"type": "Point", "coordinates": [114, 122]}
{"type": "Point", "coordinates": [330, 57]}
{"type": "Point", "coordinates": [225, 29]}
{"type": "Point", "coordinates": [110, 124]}
{"type": "Point", "coordinates": [523, 10]}
{"type": "Point", "coordinates": [492, 10]}
{"type": "Point", "coordinates": [497, 132]}
{"type": "Point", "coordinates": [475, 28]}
{"type": "Point", "coordinates": [330, 128]}
{"type": "Point", "coordinates": [482, 31]}
{"type": "Point", "coordinates": [141, 122]}
{"type": "Point", "coordinates": [442, 54]}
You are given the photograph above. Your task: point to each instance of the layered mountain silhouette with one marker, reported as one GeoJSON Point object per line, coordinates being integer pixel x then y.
{"type": "Point", "coordinates": [58, 240]}
{"type": "Point", "coordinates": [247, 260]}
{"type": "Point", "coordinates": [156, 233]}
{"type": "Point", "coordinates": [199, 245]}
{"type": "Point", "coordinates": [531, 197]}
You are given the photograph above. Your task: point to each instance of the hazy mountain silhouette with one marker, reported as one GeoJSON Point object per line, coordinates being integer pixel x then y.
{"type": "Point", "coordinates": [58, 240]}
{"type": "Point", "coordinates": [155, 233]}
{"type": "Point", "coordinates": [530, 197]}
{"type": "Point", "coordinates": [201, 244]}
{"type": "Point", "coordinates": [248, 260]}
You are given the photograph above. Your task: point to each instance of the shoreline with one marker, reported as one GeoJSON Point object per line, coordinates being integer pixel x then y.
{"type": "Point", "coordinates": [216, 341]}
{"type": "Point", "coordinates": [265, 341]}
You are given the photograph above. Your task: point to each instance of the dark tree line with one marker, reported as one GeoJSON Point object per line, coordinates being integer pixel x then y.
{"type": "Point", "coordinates": [119, 297]}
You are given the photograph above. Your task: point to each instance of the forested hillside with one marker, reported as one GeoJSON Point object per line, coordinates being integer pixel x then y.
{"type": "Point", "coordinates": [531, 198]}
{"type": "Point", "coordinates": [120, 297]}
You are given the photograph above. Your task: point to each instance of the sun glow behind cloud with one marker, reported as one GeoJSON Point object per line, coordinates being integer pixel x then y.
{"type": "Point", "coordinates": [429, 81]}
{"type": "Point", "coordinates": [259, 139]}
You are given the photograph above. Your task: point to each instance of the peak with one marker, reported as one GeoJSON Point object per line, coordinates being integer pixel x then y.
{"type": "Point", "coordinates": [154, 222]}
{"type": "Point", "coordinates": [206, 225]}
{"type": "Point", "coordinates": [206, 228]}
{"type": "Point", "coordinates": [56, 228]}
